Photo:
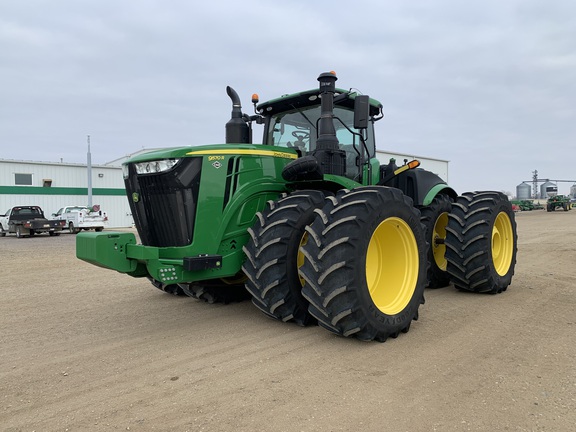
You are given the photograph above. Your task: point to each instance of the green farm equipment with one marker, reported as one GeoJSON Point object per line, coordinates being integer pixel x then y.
{"type": "Point", "coordinates": [527, 205]}
{"type": "Point", "coordinates": [558, 201]}
{"type": "Point", "coordinates": [309, 224]}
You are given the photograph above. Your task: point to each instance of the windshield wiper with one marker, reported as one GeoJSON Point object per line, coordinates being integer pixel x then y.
{"type": "Point", "coordinates": [304, 115]}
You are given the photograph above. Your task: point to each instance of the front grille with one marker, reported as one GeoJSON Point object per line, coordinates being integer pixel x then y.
{"type": "Point", "coordinates": [164, 204]}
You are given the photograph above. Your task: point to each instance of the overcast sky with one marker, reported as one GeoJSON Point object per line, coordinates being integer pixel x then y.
{"type": "Point", "coordinates": [489, 86]}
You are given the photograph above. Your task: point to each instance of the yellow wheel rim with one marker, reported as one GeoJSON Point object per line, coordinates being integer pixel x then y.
{"type": "Point", "coordinates": [234, 280]}
{"type": "Point", "coordinates": [300, 257]}
{"type": "Point", "coordinates": [502, 244]}
{"type": "Point", "coordinates": [392, 266]}
{"type": "Point", "coordinates": [439, 248]}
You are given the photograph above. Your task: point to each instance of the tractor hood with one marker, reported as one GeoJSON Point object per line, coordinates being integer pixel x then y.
{"type": "Point", "coordinates": [213, 149]}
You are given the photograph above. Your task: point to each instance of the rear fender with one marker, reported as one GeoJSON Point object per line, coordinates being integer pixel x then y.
{"type": "Point", "coordinates": [421, 185]}
{"type": "Point", "coordinates": [439, 189]}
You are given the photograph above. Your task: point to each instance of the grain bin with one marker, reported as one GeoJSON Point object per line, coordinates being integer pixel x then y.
{"type": "Point", "coordinates": [523, 191]}
{"type": "Point", "coordinates": [548, 189]}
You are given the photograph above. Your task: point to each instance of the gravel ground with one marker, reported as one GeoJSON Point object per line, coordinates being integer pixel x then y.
{"type": "Point", "coordinates": [83, 348]}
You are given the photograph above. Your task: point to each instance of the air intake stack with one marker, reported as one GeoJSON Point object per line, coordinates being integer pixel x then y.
{"type": "Point", "coordinates": [332, 160]}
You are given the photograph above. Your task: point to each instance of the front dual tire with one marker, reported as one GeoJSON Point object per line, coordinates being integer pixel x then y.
{"type": "Point", "coordinates": [273, 256]}
{"type": "Point", "coordinates": [365, 264]}
{"type": "Point", "coordinates": [354, 262]}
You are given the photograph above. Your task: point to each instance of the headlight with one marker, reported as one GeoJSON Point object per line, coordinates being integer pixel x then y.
{"type": "Point", "coordinates": [153, 167]}
{"type": "Point", "coordinates": [125, 170]}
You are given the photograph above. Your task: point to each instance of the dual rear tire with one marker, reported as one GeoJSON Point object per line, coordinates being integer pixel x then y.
{"type": "Point", "coordinates": [481, 242]}
{"type": "Point", "coordinates": [434, 217]}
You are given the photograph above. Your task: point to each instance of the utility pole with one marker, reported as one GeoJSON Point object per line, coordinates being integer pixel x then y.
{"type": "Point", "coordinates": [89, 169]}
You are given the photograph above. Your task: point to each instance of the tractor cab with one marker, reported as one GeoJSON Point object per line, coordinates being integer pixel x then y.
{"type": "Point", "coordinates": [330, 129]}
{"type": "Point", "coordinates": [294, 121]}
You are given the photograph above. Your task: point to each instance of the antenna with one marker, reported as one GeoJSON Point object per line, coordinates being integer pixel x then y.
{"type": "Point", "coordinates": [89, 169]}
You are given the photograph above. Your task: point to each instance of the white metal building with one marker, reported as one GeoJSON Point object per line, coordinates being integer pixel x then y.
{"type": "Point", "coordinates": [53, 185]}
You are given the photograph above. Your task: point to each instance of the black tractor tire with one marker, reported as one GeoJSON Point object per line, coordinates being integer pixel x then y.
{"type": "Point", "coordinates": [31, 233]}
{"type": "Point", "coordinates": [273, 258]}
{"type": "Point", "coordinates": [549, 207]}
{"type": "Point", "coordinates": [172, 289]}
{"type": "Point", "coordinates": [434, 217]}
{"type": "Point", "coordinates": [99, 229]}
{"type": "Point", "coordinates": [217, 291]}
{"type": "Point", "coordinates": [365, 263]}
{"type": "Point", "coordinates": [481, 242]}
{"type": "Point", "coordinates": [2, 232]}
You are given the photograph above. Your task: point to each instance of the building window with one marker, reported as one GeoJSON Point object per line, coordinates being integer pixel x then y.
{"type": "Point", "coordinates": [46, 182]}
{"type": "Point", "coordinates": [23, 179]}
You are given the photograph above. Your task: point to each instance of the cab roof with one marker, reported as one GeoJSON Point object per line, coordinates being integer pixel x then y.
{"type": "Point", "coordinates": [344, 98]}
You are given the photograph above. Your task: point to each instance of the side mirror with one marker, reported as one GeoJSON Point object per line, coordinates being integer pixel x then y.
{"type": "Point", "coordinates": [361, 111]}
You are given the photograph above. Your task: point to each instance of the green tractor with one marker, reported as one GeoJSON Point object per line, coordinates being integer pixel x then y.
{"type": "Point", "coordinates": [558, 201]}
{"type": "Point", "coordinates": [308, 224]}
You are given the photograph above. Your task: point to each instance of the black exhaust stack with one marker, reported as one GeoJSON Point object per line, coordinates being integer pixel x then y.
{"type": "Point", "coordinates": [332, 160]}
{"type": "Point", "coordinates": [237, 130]}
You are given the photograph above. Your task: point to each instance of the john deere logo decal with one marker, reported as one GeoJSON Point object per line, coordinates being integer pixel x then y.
{"type": "Point", "coordinates": [135, 197]}
{"type": "Point", "coordinates": [216, 164]}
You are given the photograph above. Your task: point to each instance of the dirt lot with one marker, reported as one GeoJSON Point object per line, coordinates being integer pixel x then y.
{"type": "Point", "coordinates": [84, 348]}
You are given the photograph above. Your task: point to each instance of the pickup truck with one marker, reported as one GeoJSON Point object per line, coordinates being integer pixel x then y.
{"type": "Point", "coordinates": [82, 218]}
{"type": "Point", "coordinates": [25, 221]}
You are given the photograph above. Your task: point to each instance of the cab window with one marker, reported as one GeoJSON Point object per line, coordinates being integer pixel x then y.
{"type": "Point", "coordinates": [298, 129]}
